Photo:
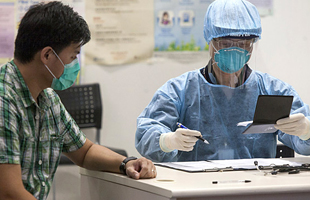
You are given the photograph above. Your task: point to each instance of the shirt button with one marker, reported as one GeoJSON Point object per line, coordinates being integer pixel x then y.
{"type": "Point", "coordinates": [43, 184]}
{"type": "Point", "coordinates": [40, 162]}
{"type": "Point", "coordinates": [37, 117]}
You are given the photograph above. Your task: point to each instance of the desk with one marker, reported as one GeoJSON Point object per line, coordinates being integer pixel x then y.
{"type": "Point", "coordinates": [178, 185]}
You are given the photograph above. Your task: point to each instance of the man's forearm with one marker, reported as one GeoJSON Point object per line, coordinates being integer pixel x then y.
{"type": "Point", "coordinates": [101, 158]}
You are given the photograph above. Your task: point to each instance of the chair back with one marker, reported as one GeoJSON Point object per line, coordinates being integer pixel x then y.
{"type": "Point", "coordinates": [284, 151]}
{"type": "Point", "coordinates": [83, 102]}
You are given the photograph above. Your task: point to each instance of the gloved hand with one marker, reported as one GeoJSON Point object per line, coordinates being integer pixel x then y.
{"type": "Point", "coordinates": [296, 124]}
{"type": "Point", "coordinates": [181, 139]}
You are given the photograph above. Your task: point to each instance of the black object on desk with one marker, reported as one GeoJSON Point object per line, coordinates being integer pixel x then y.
{"type": "Point", "coordinates": [269, 109]}
{"type": "Point", "coordinates": [283, 168]}
{"type": "Point", "coordinates": [284, 151]}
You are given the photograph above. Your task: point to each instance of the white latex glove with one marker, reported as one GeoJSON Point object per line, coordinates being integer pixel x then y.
{"type": "Point", "coordinates": [296, 124]}
{"type": "Point", "coordinates": [182, 139]}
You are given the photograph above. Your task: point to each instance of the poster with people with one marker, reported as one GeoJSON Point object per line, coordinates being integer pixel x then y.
{"type": "Point", "coordinates": [178, 25]}
{"type": "Point", "coordinates": [128, 31]}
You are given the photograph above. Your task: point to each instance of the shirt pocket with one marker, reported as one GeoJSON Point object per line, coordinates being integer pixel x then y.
{"type": "Point", "coordinates": [54, 148]}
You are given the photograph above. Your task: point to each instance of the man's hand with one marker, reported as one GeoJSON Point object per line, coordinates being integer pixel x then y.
{"type": "Point", "coordinates": [96, 157]}
{"type": "Point", "coordinates": [140, 169]}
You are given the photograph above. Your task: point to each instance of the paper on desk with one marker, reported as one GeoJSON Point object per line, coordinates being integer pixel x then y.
{"type": "Point", "coordinates": [245, 123]}
{"type": "Point", "coordinates": [194, 166]}
{"type": "Point", "coordinates": [218, 165]}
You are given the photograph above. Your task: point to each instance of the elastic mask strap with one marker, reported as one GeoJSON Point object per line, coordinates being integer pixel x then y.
{"type": "Point", "coordinates": [249, 52]}
{"type": "Point", "coordinates": [215, 48]}
{"type": "Point", "coordinates": [58, 57]}
{"type": "Point", "coordinates": [50, 71]}
{"type": "Point", "coordinates": [216, 52]}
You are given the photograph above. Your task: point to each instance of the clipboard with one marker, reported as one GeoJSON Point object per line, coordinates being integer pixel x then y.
{"type": "Point", "coordinates": [269, 109]}
{"type": "Point", "coordinates": [225, 165]}
{"type": "Point", "coordinates": [197, 166]}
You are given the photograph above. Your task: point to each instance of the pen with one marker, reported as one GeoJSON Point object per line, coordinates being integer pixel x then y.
{"type": "Point", "coordinates": [231, 181]}
{"type": "Point", "coordinates": [199, 137]}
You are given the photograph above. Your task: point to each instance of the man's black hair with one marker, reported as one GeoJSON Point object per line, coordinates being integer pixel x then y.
{"type": "Point", "coordinates": [49, 24]}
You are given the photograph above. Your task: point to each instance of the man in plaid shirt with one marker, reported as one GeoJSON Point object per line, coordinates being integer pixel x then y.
{"type": "Point", "coordinates": [35, 127]}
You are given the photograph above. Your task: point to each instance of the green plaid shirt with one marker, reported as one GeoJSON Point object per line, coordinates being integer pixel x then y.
{"type": "Point", "coordinates": [34, 135]}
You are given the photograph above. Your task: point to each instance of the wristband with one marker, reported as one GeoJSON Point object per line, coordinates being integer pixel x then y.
{"type": "Point", "coordinates": [123, 164]}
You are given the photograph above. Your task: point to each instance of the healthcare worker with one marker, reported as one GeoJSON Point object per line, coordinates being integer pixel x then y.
{"type": "Point", "coordinates": [212, 100]}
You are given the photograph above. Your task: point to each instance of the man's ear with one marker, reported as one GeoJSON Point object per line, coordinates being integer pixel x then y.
{"type": "Point", "coordinates": [45, 54]}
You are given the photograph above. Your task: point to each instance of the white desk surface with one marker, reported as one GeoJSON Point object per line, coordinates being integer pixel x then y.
{"type": "Point", "coordinates": [176, 184]}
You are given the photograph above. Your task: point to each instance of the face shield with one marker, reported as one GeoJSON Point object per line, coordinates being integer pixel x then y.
{"type": "Point", "coordinates": [229, 58]}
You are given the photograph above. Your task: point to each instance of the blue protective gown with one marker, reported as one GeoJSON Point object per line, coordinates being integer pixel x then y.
{"type": "Point", "coordinates": [214, 110]}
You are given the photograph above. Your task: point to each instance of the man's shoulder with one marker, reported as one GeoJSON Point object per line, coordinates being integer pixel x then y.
{"type": "Point", "coordinates": [51, 95]}
{"type": "Point", "coordinates": [8, 79]}
{"type": "Point", "coordinates": [50, 92]}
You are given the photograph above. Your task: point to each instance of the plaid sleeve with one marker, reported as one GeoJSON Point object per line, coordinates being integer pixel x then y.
{"type": "Point", "coordinates": [73, 137]}
{"type": "Point", "coordinates": [9, 137]}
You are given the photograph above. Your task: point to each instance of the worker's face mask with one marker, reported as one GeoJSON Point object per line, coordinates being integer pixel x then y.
{"type": "Point", "coordinates": [232, 55]}
{"type": "Point", "coordinates": [232, 59]}
{"type": "Point", "coordinates": [68, 77]}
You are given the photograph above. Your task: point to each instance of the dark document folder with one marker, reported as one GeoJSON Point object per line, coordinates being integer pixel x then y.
{"type": "Point", "coordinates": [269, 109]}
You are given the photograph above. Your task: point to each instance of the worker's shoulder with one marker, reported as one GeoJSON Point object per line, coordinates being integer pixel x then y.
{"type": "Point", "coordinates": [267, 77]}
{"type": "Point", "coordinates": [271, 83]}
{"type": "Point", "coordinates": [180, 82]}
{"type": "Point", "coordinates": [194, 74]}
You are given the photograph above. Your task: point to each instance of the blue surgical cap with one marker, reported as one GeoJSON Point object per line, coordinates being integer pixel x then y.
{"type": "Point", "coordinates": [231, 18]}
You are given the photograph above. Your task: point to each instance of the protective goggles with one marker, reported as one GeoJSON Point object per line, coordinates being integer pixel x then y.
{"type": "Point", "coordinates": [222, 43]}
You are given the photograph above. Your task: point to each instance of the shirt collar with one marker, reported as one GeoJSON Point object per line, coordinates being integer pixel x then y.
{"type": "Point", "coordinates": [25, 94]}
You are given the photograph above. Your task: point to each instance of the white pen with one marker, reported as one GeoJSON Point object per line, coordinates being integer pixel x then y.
{"type": "Point", "coordinates": [199, 137]}
{"type": "Point", "coordinates": [231, 181]}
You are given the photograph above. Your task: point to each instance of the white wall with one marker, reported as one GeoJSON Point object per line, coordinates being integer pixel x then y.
{"type": "Point", "coordinates": [126, 90]}
{"type": "Point", "coordinates": [284, 48]}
